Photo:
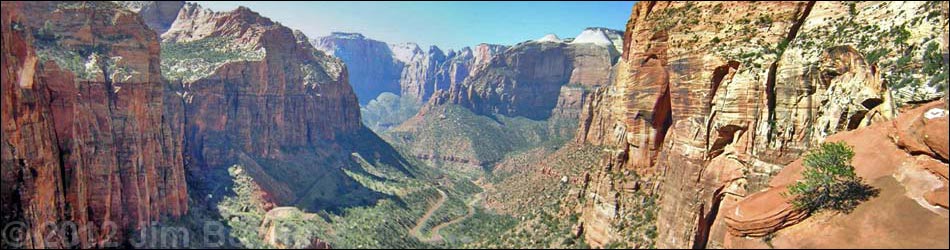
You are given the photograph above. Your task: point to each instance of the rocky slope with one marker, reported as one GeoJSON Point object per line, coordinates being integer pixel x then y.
{"type": "Point", "coordinates": [905, 160]}
{"type": "Point", "coordinates": [84, 136]}
{"type": "Point", "coordinates": [712, 99]}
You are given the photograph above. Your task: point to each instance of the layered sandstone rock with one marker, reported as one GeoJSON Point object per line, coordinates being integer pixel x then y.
{"type": "Point", "coordinates": [85, 140]}
{"type": "Point", "coordinates": [909, 202]}
{"type": "Point", "coordinates": [711, 99]}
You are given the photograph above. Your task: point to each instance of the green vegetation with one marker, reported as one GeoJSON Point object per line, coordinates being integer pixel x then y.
{"type": "Point", "coordinates": [900, 50]}
{"type": "Point", "coordinates": [244, 211]}
{"type": "Point", "coordinates": [637, 223]}
{"type": "Point", "coordinates": [482, 227]}
{"type": "Point", "coordinates": [457, 131]}
{"type": "Point", "coordinates": [829, 182]}
{"type": "Point", "coordinates": [192, 60]}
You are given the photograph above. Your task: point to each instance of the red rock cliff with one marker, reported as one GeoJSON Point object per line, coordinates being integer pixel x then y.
{"type": "Point", "coordinates": [711, 99]}
{"type": "Point", "coordinates": [257, 94]}
{"type": "Point", "coordinates": [84, 136]}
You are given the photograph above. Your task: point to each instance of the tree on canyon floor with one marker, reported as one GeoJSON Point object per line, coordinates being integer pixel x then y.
{"type": "Point", "coordinates": [829, 182]}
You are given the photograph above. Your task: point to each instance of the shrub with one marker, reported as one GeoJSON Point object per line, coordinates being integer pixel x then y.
{"type": "Point", "coordinates": [829, 182]}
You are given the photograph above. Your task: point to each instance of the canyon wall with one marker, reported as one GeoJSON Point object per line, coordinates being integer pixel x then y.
{"type": "Point", "coordinates": [84, 136]}
{"type": "Point", "coordinates": [257, 94]}
{"type": "Point", "coordinates": [373, 68]}
{"type": "Point", "coordinates": [712, 99]}
{"type": "Point", "coordinates": [527, 79]}
{"type": "Point", "coordinates": [405, 70]}
{"type": "Point", "coordinates": [526, 96]}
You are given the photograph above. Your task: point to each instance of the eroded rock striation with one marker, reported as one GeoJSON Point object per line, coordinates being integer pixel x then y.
{"type": "Point", "coordinates": [85, 139]}
{"type": "Point", "coordinates": [710, 100]}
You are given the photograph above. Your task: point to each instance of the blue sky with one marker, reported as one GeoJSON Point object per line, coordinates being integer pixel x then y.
{"type": "Point", "coordinates": [449, 25]}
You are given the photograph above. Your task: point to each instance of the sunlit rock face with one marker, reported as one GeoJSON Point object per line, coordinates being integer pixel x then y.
{"type": "Point", "coordinates": [527, 79]}
{"type": "Point", "coordinates": [258, 94]}
{"type": "Point", "coordinates": [85, 138]}
{"type": "Point", "coordinates": [710, 100]}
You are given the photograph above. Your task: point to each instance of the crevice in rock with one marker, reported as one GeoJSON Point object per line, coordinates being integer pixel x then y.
{"type": "Point", "coordinates": [871, 103]}
{"type": "Point", "coordinates": [662, 117]}
{"type": "Point", "coordinates": [707, 219]}
{"type": "Point", "coordinates": [718, 75]}
{"type": "Point", "coordinates": [726, 135]}
{"type": "Point", "coordinates": [855, 120]}
{"type": "Point", "coordinates": [773, 68]}
{"type": "Point", "coordinates": [770, 99]}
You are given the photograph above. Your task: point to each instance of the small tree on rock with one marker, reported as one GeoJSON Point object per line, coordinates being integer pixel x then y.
{"type": "Point", "coordinates": [829, 182]}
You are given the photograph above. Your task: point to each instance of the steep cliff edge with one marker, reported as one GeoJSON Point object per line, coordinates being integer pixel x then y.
{"type": "Point", "coordinates": [85, 140]}
{"type": "Point", "coordinates": [257, 94]}
{"type": "Point", "coordinates": [712, 99]}
{"type": "Point", "coordinates": [371, 63]}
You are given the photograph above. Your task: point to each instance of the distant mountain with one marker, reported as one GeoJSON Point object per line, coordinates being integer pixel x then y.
{"type": "Point", "coordinates": [405, 70]}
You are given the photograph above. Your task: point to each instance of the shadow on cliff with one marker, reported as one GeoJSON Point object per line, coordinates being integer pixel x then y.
{"type": "Point", "coordinates": [310, 178]}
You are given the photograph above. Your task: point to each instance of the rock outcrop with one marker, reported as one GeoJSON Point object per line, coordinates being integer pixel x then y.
{"type": "Point", "coordinates": [911, 202]}
{"type": "Point", "coordinates": [84, 137]}
{"type": "Point", "coordinates": [280, 229]}
{"type": "Point", "coordinates": [711, 99]}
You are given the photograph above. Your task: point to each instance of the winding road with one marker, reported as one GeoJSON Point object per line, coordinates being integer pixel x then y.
{"type": "Point", "coordinates": [436, 237]}
{"type": "Point", "coordinates": [425, 217]}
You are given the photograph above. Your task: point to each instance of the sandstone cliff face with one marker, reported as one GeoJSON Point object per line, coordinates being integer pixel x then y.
{"type": "Point", "coordinates": [525, 96]}
{"type": "Point", "coordinates": [526, 80]}
{"type": "Point", "coordinates": [264, 98]}
{"type": "Point", "coordinates": [712, 99]}
{"type": "Point", "coordinates": [84, 136]}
